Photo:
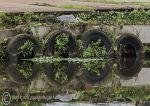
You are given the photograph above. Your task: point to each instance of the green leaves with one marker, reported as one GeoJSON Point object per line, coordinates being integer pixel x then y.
{"type": "Point", "coordinates": [147, 49]}
{"type": "Point", "coordinates": [26, 19]}
{"type": "Point", "coordinates": [60, 75]}
{"type": "Point", "coordinates": [94, 67]}
{"type": "Point", "coordinates": [61, 43]}
{"type": "Point", "coordinates": [113, 17]}
{"type": "Point", "coordinates": [123, 94]}
{"type": "Point", "coordinates": [138, 17]}
{"type": "Point", "coordinates": [95, 50]}
{"type": "Point", "coordinates": [3, 46]}
{"type": "Point", "coordinates": [26, 49]}
{"type": "Point", "coordinates": [25, 69]}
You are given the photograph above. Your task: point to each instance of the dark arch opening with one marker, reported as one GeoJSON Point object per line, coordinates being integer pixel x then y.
{"type": "Point", "coordinates": [93, 36]}
{"type": "Point", "coordinates": [128, 51]}
{"type": "Point", "coordinates": [63, 53]}
{"type": "Point", "coordinates": [70, 46]}
{"type": "Point", "coordinates": [96, 40]}
{"type": "Point", "coordinates": [130, 46]}
{"type": "Point", "coordinates": [19, 40]}
{"type": "Point", "coordinates": [25, 50]}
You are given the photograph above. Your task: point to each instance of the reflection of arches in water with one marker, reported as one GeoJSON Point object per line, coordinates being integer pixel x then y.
{"type": "Point", "coordinates": [130, 46]}
{"type": "Point", "coordinates": [60, 73]}
{"type": "Point", "coordinates": [21, 73]}
{"type": "Point", "coordinates": [129, 67]}
{"type": "Point", "coordinates": [93, 77]}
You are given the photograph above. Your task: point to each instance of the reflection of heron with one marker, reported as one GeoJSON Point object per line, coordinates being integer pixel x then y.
{"type": "Point", "coordinates": [129, 67]}
{"type": "Point", "coordinates": [60, 73]}
{"type": "Point", "coordinates": [23, 72]}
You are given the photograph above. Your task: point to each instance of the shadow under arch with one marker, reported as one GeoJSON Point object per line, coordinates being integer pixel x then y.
{"type": "Point", "coordinates": [22, 72]}
{"type": "Point", "coordinates": [129, 67]}
{"type": "Point", "coordinates": [130, 46]}
{"type": "Point", "coordinates": [60, 73]}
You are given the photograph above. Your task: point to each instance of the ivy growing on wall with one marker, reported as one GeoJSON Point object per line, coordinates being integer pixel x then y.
{"type": "Point", "coordinates": [98, 17]}
{"type": "Point", "coordinates": [25, 69]}
{"type": "Point", "coordinates": [61, 43]}
{"type": "Point", "coordinates": [113, 17]}
{"type": "Point", "coordinates": [94, 50]}
{"type": "Point", "coordinates": [3, 46]}
{"type": "Point", "coordinates": [26, 49]}
{"type": "Point", "coordinates": [27, 18]}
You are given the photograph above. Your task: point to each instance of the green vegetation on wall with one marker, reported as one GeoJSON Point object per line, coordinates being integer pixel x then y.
{"type": "Point", "coordinates": [27, 18]}
{"type": "Point", "coordinates": [61, 44]}
{"type": "Point", "coordinates": [98, 18]}
{"type": "Point", "coordinates": [94, 50]}
{"type": "Point", "coordinates": [3, 46]}
{"type": "Point", "coordinates": [114, 18]}
{"type": "Point", "coordinates": [26, 49]}
{"type": "Point", "coordinates": [25, 69]}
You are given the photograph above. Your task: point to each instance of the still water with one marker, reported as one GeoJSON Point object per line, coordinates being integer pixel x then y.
{"type": "Point", "coordinates": [115, 82]}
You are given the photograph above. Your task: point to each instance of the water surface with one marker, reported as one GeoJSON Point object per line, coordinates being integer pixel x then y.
{"type": "Point", "coordinates": [115, 82]}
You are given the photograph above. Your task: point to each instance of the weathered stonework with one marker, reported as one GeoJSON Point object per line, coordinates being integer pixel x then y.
{"type": "Point", "coordinates": [142, 31]}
